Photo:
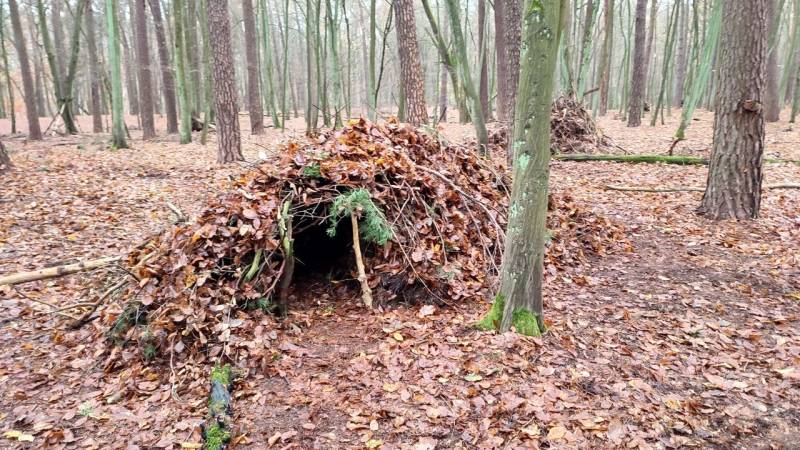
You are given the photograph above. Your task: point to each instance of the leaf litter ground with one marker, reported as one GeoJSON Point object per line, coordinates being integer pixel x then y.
{"type": "Point", "coordinates": [691, 339]}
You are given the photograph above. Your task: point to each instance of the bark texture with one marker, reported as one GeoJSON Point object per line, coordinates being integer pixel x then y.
{"type": "Point", "coordinates": [144, 72]}
{"type": "Point", "coordinates": [772, 107]}
{"type": "Point", "coordinates": [605, 56]}
{"type": "Point", "coordinates": [229, 142]}
{"type": "Point", "coordinates": [94, 72]}
{"type": "Point", "coordinates": [253, 87]}
{"type": "Point", "coordinates": [34, 130]}
{"type": "Point", "coordinates": [639, 67]}
{"type": "Point", "coordinates": [733, 189]}
{"type": "Point", "coordinates": [501, 53]}
{"type": "Point", "coordinates": [167, 75]}
{"type": "Point", "coordinates": [483, 82]}
{"type": "Point", "coordinates": [513, 43]}
{"type": "Point", "coordinates": [410, 69]}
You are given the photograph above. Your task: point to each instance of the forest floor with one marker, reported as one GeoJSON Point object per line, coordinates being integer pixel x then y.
{"type": "Point", "coordinates": [690, 340]}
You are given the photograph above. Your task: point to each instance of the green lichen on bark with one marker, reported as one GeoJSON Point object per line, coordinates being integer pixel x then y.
{"type": "Point", "coordinates": [222, 374]}
{"type": "Point", "coordinates": [216, 437]}
{"type": "Point", "coordinates": [526, 322]}
{"type": "Point", "coordinates": [492, 320]}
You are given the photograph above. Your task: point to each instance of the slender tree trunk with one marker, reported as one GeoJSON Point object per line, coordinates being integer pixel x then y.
{"type": "Point", "coordinates": [285, 77]}
{"type": "Point", "coordinates": [735, 171]}
{"type": "Point", "coordinates": [372, 96]}
{"type": "Point", "coordinates": [253, 86]}
{"type": "Point", "coordinates": [5, 160]}
{"type": "Point", "coordinates": [7, 72]}
{"type": "Point", "coordinates": [144, 72]}
{"type": "Point", "coordinates": [772, 106]}
{"type": "Point", "coordinates": [410, 69]}
{"type": "Point", "coordinates": [605, 57]}
{"type": "Point", "coordinates": [639, 75]}
{"type": "Point", "coordinates": [669, 48]}
{"type": "Point", "coordinates": [167, 76]}
{"type": "Point", "coordinates": [312, 56]}
{"type": "Point", "coordinates": [208, 91]}
{"type": "Point", "coordinates": [94, 72]}
{"type": "Point", "coordinates": [332, 25]}
{"type": "Point", "coordinates": [682, 57]}
{"type": "Point", "coordinates": [519, 302]}
{"type": "Point", "coordinates": [269, 79]}
{"type": "Point", "coordinates": [484, 77]}
{"type": "Point", "coordinates": [648, 56]}
{"type": "Point", "coordinates": [117, 113]}
{"type": "Point", "coordinates": [131, 86]}
{"type": "Point", "coordinates": [193, 56]}
{"type": "Point", "coordinates": [34, 130]}
{"type": "Point", "coordinates": [586, 46]}
{"type": "Point", "coordinates": [184, 100]}
{"type": "Point", "coordinates": [501, 50]}
{"type": "Point", "coordinates": [229, 141]}
{"type": "Point", "coordinates": [469, 87]}
{"type": "Point", "coordinates": [513, 22]}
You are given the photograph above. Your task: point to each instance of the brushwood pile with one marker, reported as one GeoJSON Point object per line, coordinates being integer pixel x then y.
{"type": "Point", "coordinates": [431, 218]}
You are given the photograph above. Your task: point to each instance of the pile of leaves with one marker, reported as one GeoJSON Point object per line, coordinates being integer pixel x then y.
{"type": "Point", "coordinates": [572, 130]}
{"type": "Point", "coordinates": [431, 218]}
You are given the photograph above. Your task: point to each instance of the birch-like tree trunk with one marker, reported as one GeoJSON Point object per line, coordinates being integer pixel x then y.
{"type": "Point", "coordinates": [733, 190]}
{"type": "Point", "coordinates": [229, 142]}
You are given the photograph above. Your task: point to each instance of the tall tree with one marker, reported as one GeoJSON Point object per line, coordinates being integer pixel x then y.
{"type": "Point", "coordinates": [117, 113]}
{"type": "Point", "coordinates": [410, 69]}
{"type": "Point", "coordinates": [733, 189]}
{"type": "Point", "coordinates": [167, 75]}
{"type": "Point", "coordinates": [682, 57]}
{"type": "Point", "coordinates": [501, 52]}
{"type": "Point", "coordinates": [469, 87]}
{"type": "Point", "coordinates": [639, 76]}
{"type": "Point", "coordinates": [484, 77]}
{"type": "Point", "coordinates": [229, 142]}
{"type": "Point", "coordinates": [604, 65]}
{"type": "Point", "coordinates": [772, 106]}
{"type": "Point", "coordinates": [253, 87]}
{"type": "Point", "coordinates": [586, 46]}
{"type": "Point", "coordinates": [128, 58]}
{"type": "Point", "coordinates": [34, 129]}
{"type": "Point", "coordinates": [95, 93]}
{"type": "Point", "coordinates": [184, 100]}
{"type": "Point", "coordinates": [513, 24]}
{"type": "Point", "coordinates": [144, 72]}
{"type": "Point", "coordinates": [7, 70]}
{"type": "Point", "coordinates": [519, 301]}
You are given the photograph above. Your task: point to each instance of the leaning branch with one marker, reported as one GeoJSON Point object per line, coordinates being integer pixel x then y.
{"type": "Point", "coordinates": [58, 271]}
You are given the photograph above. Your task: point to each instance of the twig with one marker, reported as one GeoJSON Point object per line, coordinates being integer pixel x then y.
{"type": "Point", "coordinates": [366, 292]}
{"type": "Point", "coordinates": [79, 322]}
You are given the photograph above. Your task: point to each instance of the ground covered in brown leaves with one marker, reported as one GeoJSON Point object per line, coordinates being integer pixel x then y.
{"type": "Point", "coordinates": [691, 339]}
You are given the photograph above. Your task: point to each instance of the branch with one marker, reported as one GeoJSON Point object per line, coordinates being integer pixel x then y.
{"type": "Point", "coordinates": [58, 271]}
{"type": "Point", "coordinates": [613, 187]}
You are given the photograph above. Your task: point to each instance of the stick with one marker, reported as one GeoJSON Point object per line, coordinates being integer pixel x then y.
{"type": "Point", "coordinates": [180, 217]}
{"type": "Point", "coordinates": [680, 160]}
{"type": "Point", "coordinates": [366, 292]}
{"type": "Point", "coordinates": [58, 271]}
{"type": "Point", "coordinates": [613, 187]}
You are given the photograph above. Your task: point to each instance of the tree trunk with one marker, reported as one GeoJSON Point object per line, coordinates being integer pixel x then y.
{"type": "Point", "coordinates": [332, 26]}
{"type": "Point", "coordinates": [184, 101]}
{"type": "Point", "coordinates": [144, 72]}
{"type": "Point", "coordinates": [772, 106]}
{"type": "Point", "coordinates": [7, 72]}
{"type": "Point", "coordinates": [94, 72]}
{"type": "Point", "coordinates": [513, 23]}
{"type": "Point", "coordinates": [735, 173]}
{"type": "Point", "coordinates": [34, 130]}
{"type": "Point", "coordinates": [605, 57]}
{"type": "Point", "coordinates": [117, 113]}
{"type": "Point", "coordinates": [193, 57]}
{"type": "Point", "coordinates": [484, 77]}
{"type": "Point", "coordinates": [410, 69]}
{"type": "Point", "coordinates": [5, 160]}
{"type": "Point", "coordinates": [682, 57]}
{"type": "Point", "coordinates": [501, 52]}
{"type": "Point", "coordinates": [229, 142]}
{"type": "Point", "coordinates": [586, 45]}
{"type": "Point", "coordinates": [519, 301]}
{"type": "Point", "coordinates": [639, 75]}
{"type": "Point", "coordinates": [167, 76]}
{"type": "Point", "coordinates": [131, 86]}
{"type": "Point", "coordinates": [253, 87]}
{"type": "Point", "coordinates": [651, 32]}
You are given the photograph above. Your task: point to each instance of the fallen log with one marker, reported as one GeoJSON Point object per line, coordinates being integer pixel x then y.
{"type": "Point", "coordinates": [614, 187]}
{"type": "Point", "coordinates": [679, 160]}
{"type": "Point", "coordinates": [57, 271]}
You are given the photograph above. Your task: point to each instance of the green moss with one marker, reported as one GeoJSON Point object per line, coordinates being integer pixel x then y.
{"type": "Point", "coordinates": [525, 322]}
{"type": "Point", "coordinates": [216, 437]}
{"type": "Point", "coordinates": [492, 320]}
{"type": "Point", "coordinates": [216, 408]}
{"type": "Point", "coordinates": [222, 375]}
{"type": "Point", "coordinates": [312, 171]}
